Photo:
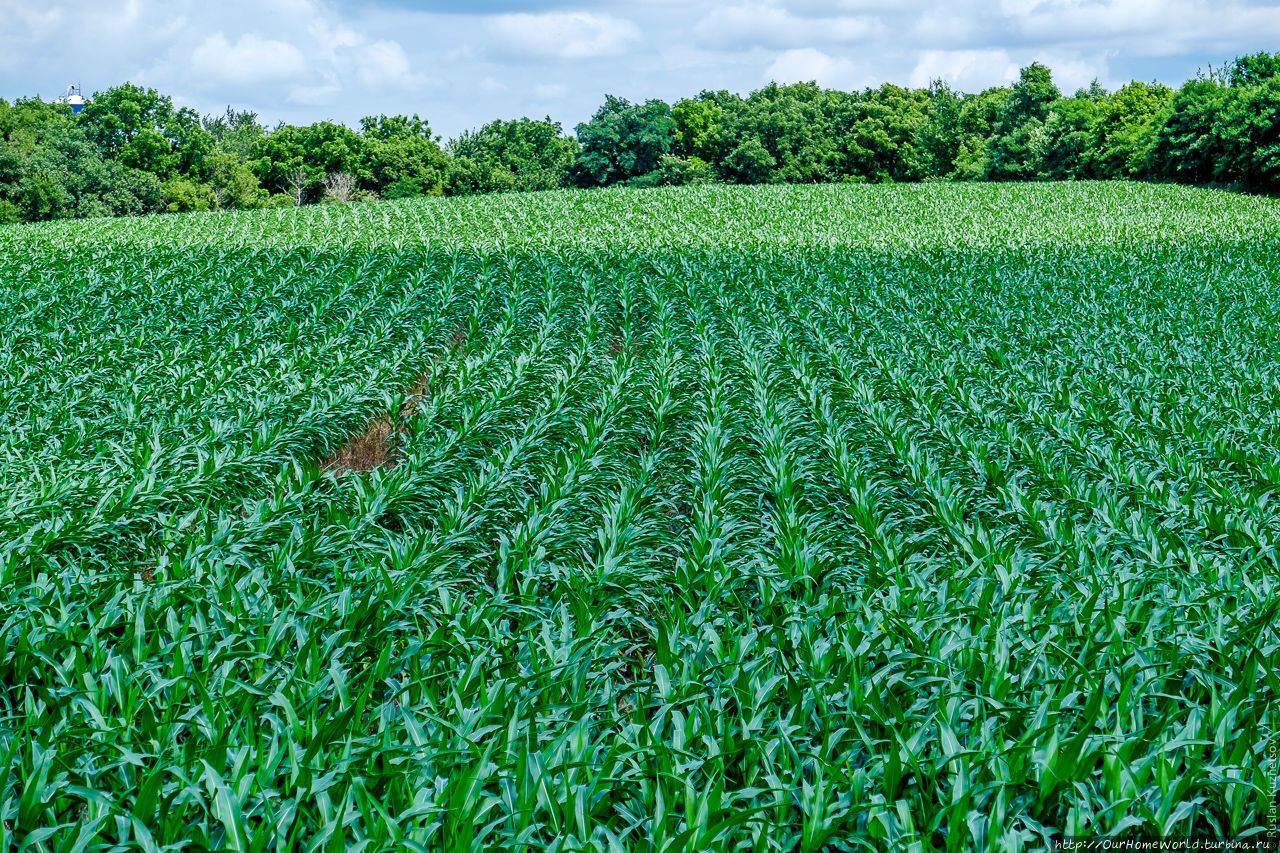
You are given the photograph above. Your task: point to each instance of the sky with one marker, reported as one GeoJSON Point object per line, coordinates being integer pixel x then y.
{"type": "Point", "coordinates": [460, 64]}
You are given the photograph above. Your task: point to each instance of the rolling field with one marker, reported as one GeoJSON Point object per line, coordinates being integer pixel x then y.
{"type": "Point", "coordinates": [893, 518]}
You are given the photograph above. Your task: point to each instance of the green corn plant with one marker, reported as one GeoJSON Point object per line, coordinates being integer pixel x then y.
{"type": "Point", "coordinates": [721, 518]}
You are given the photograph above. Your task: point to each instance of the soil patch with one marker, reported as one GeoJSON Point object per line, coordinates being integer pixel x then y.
{"type": "Point", "coordinates": [377, 445]}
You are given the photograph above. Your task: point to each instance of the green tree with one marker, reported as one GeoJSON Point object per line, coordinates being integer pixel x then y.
{"type": "Point", "coordinates": [1068, 135]}
{"type": "Point", "coordinates": [131, 151]}
{"type": "Point", "coordinates": [293, 159]}
{"type": "Point", "coordinates": [465, 177]}
{"type": "Point", "coordinates": [236, 132]}
{"type": "Point", "coordinates": [1248, 127]}
{"type": "Point", "coordinates": [522, 154]}
{"type": "Point", "coordinates": [233, 184]}
{"type": "Point", "coordinates": [1126, 128]}
{"type": "Point", "coordinates": [938, 137]}
{"type": "Point", "coordinates": [118, 116]}
{"type": "Point", "coordinates": [1187, 146]}
{"type": "Point", "coordinates": [1254, 69]}
{"type": "Point", "coordinates": [181, 194]}
{"type": "Point", "coordinates": [799, 125]}
{"type": "Point", "coordinates": [675, 171]}
{"type": "Point", "coordinates": [702, 126]}
{"type": "Point", "coordinates": [979, 114]}
{"type": "Point", "coordinates": [622, 141]}
{"type": "Point", "coordinates": [141, 129]}
{"type": "Point", "coordinates": [28, 124]}
{"type": "Point", "coordinates": [50, 170]}
{"type": "Point", "coordinates": [132, 192]}
{"type": "Point", "coordinates": [750, 163]}
{"type": "Point", "coordinates": [1016, 149]}
{"type": "Point", "coordinates": [1029, 99]}
{"type": "Point", "coordinates": [44, 196]}
{"type": "Point", "coordinates": [27, 128]}
{"type": "Point", "coordinates": [884, 128]}
{"type": "Point", "coordinates": [400, 157]}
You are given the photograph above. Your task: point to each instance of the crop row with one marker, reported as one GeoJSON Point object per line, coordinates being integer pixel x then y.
{"type": "Point", "coordinates": [756, 545]}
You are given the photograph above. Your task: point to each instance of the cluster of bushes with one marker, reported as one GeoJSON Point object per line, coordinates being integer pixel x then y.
{"type": "Point", "coordinates": [1221, 128]}
{"type": "Point", "coordinates": [129, 151]}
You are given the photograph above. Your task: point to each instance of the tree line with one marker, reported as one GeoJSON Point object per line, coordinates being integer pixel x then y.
{"type": "Point", "coordinates": [130, 151]}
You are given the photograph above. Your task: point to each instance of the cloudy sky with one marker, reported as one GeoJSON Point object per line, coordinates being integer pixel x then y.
{"type": "Point", "coordinates": [460, 63]}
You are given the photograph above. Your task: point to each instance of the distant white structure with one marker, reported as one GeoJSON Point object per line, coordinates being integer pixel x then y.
{"type": "Point", "coordinates": [73, 98]}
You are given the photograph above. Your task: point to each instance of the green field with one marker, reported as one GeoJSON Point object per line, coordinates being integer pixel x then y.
{"type": "Point", "coordinates": [781, 518]}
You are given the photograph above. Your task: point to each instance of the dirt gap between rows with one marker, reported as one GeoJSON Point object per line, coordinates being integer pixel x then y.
{"type": "Point", "coordinates": [377, 446]}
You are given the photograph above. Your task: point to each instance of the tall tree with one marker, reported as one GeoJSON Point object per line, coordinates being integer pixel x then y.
{"type": "Point", "coordinates": [1187, 146]}
{"type": "Point", "coordinates": [313, 151]}
{"type": "Point", "coordinates": [1016, 150]}
{"type": "Point", "coordinates": [141, 129]}
{"type": "Point", "coordinates": [1029, 99]}
{"type": "Point", "coordinates": [622, 141]}
{"type": "Point", "coordinates": [702, 125]}
{"type": "Point", "coordinates": [236, 132]}
{"type": "Point", "coordinates": [1254, 69]}
{"type": "Point", "coordinates": [1126, 128]}
{"type": "Point", "coordinates": [1248, 127]}
{"type": "Point", "coordinates": [1068, 135]}
{"type": "Point", "coordinates": [400, 157]}
{"type": "Point", "coordinates": [522, 154]}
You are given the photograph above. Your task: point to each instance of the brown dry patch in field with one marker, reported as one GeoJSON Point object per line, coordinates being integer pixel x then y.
{"type": "Point", "coordinates": [370, 448]}
{"type": "Point", "coordinates": [376, 446]}
{"type": "Point", "coordinates": [149, 569]}
{"type": "Point", "coordinates": [459, 339]}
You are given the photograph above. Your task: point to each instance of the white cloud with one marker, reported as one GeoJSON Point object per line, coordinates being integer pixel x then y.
{"type": "Point", "coordinates": [839, 7]}
{"type": "Point", "coordinates": [940, 31]}
{"type": "Point", "coordinates": [564, 35]}
{"type": "Point", "coordinates": [362, 58]}
{"type": "Point", "coordinates": [1072, 71]}
{"type": "Point", "coordinates": [1018, 7]}
{"type": "Point", "coordinates": [252, 60]}
{"type": "Point", "coordinates": [1143, 27]}
{"type": "Point", "coordinates": [969, 70]}
{"type": "Point", "coordinates": [351, 61]}
{"type": "Point", "coordinates": [37, 22]}
{"type": "Point", "coordinates": [550, 91]}
{"type": "Point", "coordinates": [330, 38]}
{"type": "Point", "coordinates": [315, 65]}
{"type": "Point", "coordinates": [385, 64]}
{"type": "Point", "coordinates": [21, 27]}
{"type": "Point", "coordinates": [317, 95]}
{"type": "Point", "coordinates": [1098, 17]}
{"type": "Point", "coordinates": [299, 10]}
{"type": "Point", "coordinates": [805, 64]}
{"type": "Point", "coordinates": [974, 70]}
{"type": "Point", "coordinates": [770, 25]}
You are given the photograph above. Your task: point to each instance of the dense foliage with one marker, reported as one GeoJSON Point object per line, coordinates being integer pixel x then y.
{"type": "Point", "coordinates": [131, 151]}
{"type": "Point", "coordinates": [511, 155]}
{"type": "Point", "coordinates": [779, 518]}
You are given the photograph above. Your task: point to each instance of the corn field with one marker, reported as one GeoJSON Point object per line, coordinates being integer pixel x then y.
{"type": "Point", "coordinates": [919, 518]}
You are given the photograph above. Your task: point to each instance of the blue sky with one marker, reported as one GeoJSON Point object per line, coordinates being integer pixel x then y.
{"type": "Point", "coordinates": [460, 64]}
